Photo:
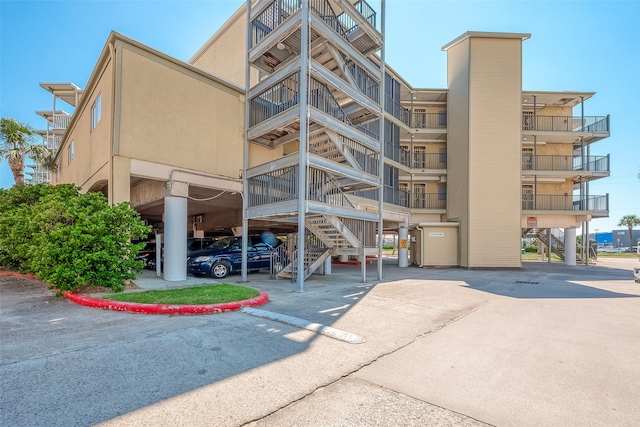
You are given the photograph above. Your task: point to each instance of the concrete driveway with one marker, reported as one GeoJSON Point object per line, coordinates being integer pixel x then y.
{"type": "Point", "coordinates": [545, 345]}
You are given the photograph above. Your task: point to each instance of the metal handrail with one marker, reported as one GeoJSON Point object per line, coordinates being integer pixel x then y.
{"type": "Point", "coordinates": [365, 83]}
{"type": "Point", "coordinates": [566, 123]}
{"type": "Point", "coordinates": [322, 188]}
{"type": "Point", "coordinates": [568, 202]}
{"type": "Point", "coordinates": [421, 160]}
{"type": "Point", "coordinates": [565, 163]}
{"type": "Point", "coordinates": [313, 248]}
{"type": "Point", "coordinates": [270, 18]}
{"type": "Point", "coordinates": [273, 187]}
{"type": "Point", "coordinates": [274, 100]}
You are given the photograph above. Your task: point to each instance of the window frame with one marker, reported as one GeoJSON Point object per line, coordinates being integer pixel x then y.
{"type": "Point", "coordinates": [70, 152]}
{"type": "Point", "coordinates": [96, 111]}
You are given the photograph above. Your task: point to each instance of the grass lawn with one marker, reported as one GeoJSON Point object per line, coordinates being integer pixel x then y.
{"type": "Point", "coordinates": [194, 295]}
{"type": "Point", "coordinates": [607, 255]}
{"type": "Point", "coordinates": [534, 256]}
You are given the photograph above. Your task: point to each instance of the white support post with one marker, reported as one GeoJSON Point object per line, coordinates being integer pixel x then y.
{"type": "Point", "coordinates": [175, 233]}
{"type": "Point", "coordinates": [570, 246]}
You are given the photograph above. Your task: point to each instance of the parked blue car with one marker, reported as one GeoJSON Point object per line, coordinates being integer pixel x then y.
{"type": "Point", "coordinates": [225, 255]}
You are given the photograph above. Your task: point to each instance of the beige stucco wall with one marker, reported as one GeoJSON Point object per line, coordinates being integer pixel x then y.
{"type": "Point", "coordinates": [484, 149]}
{"type": "Point", "coordinates": [225, 56]}
{"type": "Point", "coordinates": [440, 246]}
{"type": "Point", "coordinates": [173, 116]}
{"type": "Point", "coordinates": [458, 130]}
{"type": "Point", "coordinates": [91, 147]}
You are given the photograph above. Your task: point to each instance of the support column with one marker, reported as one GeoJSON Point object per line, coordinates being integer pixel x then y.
{"type": "Point", "coordinates": [570, 246]}
{"type": "Point", "coordinates": [403, 251]}
{"type": "Point", "coordinates": [327, 267]}
{"type": "Point", "coordinates": [175, 236]}
{"type": "Point", "coordinates": [304, 135]}
{"type": "Point", "coordinates": [363, 263]}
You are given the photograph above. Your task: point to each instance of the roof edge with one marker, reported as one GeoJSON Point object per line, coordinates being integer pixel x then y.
{"type": "Point", "coordinates": [487, 35]}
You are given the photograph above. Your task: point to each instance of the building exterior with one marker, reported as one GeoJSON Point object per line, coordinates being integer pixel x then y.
{"type": "Point", "coordinates": [332, 147]}
{"type": "Point", "coordinates": [57, 121]}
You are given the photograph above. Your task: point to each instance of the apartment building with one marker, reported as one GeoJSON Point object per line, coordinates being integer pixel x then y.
{"type": "Point", "coordinates": [56, 123]}
{"type": "Point", "coordinates": [330, 146]}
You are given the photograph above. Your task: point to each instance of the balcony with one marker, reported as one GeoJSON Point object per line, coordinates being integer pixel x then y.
{"type": "Point", "coordinates": [565, 123]}
{"type": "Point", "coordinates": [422, 160]}
{"type": "Point", "coordinates": [552, 202]}
{"type": "Point", "coordinates": [565, 163]}
{"type": "Point", "coordinates": [415, 120]}
{"type": "Point", "coordinates": [417, 200]}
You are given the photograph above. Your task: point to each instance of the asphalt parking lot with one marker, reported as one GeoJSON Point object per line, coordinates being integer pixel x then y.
{"type": "Point", "coordinates": [544, 345]}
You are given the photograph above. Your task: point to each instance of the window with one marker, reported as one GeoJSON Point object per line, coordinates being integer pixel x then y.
{"type": "Point", "coordinates": [96, 112]}
{"type": "Point", "coordinates": [442, 119]}
{"type": "Point", "coordinates": [419, 195]}
{"type": "Point", "coordinates": [442, 158]}
{"type": "Point", "coordinates": [70, 152]}
{"type": "Point", "coordinates": [442, 192]}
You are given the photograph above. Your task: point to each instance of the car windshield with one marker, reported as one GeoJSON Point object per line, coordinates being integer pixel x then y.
{"type": "Point", "coordinates": [225, 242]}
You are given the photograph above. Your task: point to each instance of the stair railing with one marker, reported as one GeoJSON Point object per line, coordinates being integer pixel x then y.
{"type": "Point", "coordinates": [313, 249]}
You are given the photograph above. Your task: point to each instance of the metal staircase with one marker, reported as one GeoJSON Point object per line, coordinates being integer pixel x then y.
{"type": "Point", "coordinates": [320, 83]}
{"type": "Point", "coordinates": [556, 243]}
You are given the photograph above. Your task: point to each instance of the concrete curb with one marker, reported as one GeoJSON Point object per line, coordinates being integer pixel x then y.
{"type": "Point", "coordinates": [132, 307]}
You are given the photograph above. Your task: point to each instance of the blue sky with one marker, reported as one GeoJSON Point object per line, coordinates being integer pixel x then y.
{"type": "Point", "coordinates": [574, 45]}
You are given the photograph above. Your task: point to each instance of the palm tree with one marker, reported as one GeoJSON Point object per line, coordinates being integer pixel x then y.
{"type": "Point", "coordinates": [629, 221]}
{"type": "Point", "coordinates": [18, 141]}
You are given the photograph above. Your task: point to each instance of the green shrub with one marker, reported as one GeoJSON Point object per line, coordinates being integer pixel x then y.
{"type": "Point", "coordinates": [70, 239]}
{"type": "Point", "coordinates": [531, 249]}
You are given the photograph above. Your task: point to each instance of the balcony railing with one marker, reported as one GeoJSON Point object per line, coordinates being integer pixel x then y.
{"type": "Point", "coordinates": [270, 18]}
{"type": "Point", "coordinates": [321, 188]}
{"type": "Point", "coordinates": [59, 121]}
{"type": "Point", "coordinates": [321, 98]}
{"type": "Point", "coordinates": [396, 110]}
{"type": "Point", "coordinates": [421, 160]}
{"type": "Point", "coordinates": [418, 200]}
{"type": "Point", "coordinates": [429, 120]}
{"type": "Point", "coordinates": [368, 159]}
{"type": "Point", "coordinates": [565, 163]}
{"type": "Point", "coordinates": [365, 10]}
{"type": "Point", "coordinates": [566, 123]}
{"type": "Point", "coordinates": [552, 202]}
{"type": "Point", "coordinates": [367, 84]}
{"type": "Point", "coordinates": [278, 98]}
{"type": "Point", "coordinates": [415, 120]}
{"type": "Point", "coordinates": [282, 186]}
{"type": "Point", "coordinates": [273, 187]}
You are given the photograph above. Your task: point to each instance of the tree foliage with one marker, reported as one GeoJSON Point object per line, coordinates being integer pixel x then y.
{"type": "Point", "coordinates": [629, 221]}
{"type": "Point", "coordinates": [69, 239]}
{"type": "Point", "coordinates": [18, 141]}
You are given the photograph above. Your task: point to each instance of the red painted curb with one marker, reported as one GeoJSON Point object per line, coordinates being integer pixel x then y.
{"type": "Point", "coordinates": [133, 307]}
{"type": "Point", "coordinates": [16, 274]}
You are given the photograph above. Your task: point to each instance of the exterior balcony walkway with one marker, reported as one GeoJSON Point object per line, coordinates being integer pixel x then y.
{"type": "Point", "coordinates": [597, 206]}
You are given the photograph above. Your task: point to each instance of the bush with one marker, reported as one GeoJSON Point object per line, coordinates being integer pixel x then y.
{"type": "Point", "coordinates": [531, 249]}
{"type": "Point", "coordinates": [69, 239]}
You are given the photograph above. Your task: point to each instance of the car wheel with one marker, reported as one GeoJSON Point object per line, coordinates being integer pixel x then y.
{"type": "Point", "coordinates": [220, 269]}
{"type": "Point", "coordinates": [151, 264]}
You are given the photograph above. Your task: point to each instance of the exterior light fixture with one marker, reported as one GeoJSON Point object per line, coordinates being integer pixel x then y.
{"type": "Point", "coordinates": [280, 46]}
